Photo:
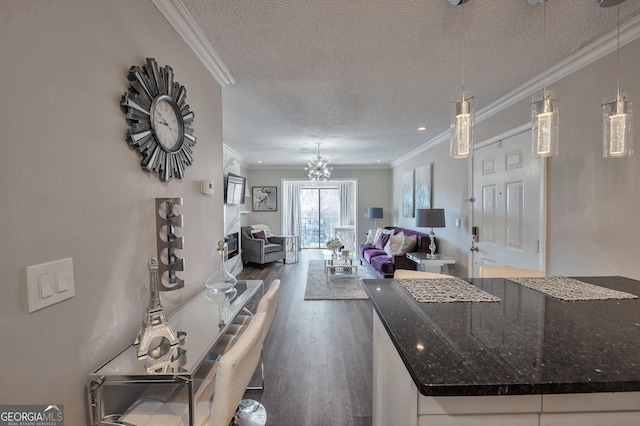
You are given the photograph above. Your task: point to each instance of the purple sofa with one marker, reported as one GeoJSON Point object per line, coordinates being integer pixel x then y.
{"type": "Point", "coordinates": [383, 265]}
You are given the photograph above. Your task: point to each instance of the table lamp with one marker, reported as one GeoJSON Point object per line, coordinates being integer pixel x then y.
{"type": "Point", "coordinates": [375, 213]}
{"type": "Point", "coordinates": [430, 218]}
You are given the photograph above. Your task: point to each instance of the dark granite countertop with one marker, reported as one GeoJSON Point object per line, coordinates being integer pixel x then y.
{"type": "Point", "coordinates": [527, 343]}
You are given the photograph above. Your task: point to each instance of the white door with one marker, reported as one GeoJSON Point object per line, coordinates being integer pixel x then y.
{"type": "Point", "coordinates": [508, 214]}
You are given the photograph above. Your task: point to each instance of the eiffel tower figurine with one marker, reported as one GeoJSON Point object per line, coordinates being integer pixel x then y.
{"type": "Point", "coordinates": [155, 324]}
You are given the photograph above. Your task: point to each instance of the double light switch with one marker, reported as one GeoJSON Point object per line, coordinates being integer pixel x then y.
{"type": "Point", "coordinates": [49, 283]}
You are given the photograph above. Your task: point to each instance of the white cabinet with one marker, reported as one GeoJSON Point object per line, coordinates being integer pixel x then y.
{"type": "Point", "coordinates": [397, 401]}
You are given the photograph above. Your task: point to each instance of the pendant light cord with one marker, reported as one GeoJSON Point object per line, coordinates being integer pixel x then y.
{"type": "Point", "coordinates": [463, 52]}
{"type": "Point", "coordinates": [544, 48]}
{"type": "Point", "coordinates": [618, 54]}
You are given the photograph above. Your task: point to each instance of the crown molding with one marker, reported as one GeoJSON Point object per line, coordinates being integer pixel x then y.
{"type": "Point", "coordinates": [444, 136]}
{"type": "Point", "coordinates": [301, 167]}
{"type": "Point", "coordinates": [629, 31]}
{"type": "Point", "coordinates": [232, 153]}
{"type": "Point", "coordinates": [181, 20]}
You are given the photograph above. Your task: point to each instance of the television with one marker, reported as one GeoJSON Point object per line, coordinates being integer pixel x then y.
{"type": "Point", "coordinates": [234, 189]}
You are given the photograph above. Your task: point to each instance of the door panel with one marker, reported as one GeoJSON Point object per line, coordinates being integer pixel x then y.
{"type": "Point", "coordinates": [515, 206]}
{"type": "Point", "coordinates": [507, 207]}
{"type": "Point", "coordinates": [488, 214]}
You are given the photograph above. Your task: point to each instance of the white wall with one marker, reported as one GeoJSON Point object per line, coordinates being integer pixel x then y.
{"type": "Point", "coordinates": [233, 213]}
{"type": "Point", "coordinates": [374, 190]}
{"type": "Point", "coordinates": [71, 187]}
{"type": "Point", "coordinates": [593, 202]}
{"type": "Point", "coordinates": [449, 189]}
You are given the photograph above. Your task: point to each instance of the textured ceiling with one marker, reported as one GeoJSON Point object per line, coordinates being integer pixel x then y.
{"type": "Point", "coordinates": [360, 76]}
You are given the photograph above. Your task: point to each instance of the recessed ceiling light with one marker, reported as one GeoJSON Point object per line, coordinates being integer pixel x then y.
{"type": "Point", "coordinates": [378, 161]}
{"type": "Point", "coordinates": [422, 128]}
{"type": "Point", "coordinates": [259, 161]}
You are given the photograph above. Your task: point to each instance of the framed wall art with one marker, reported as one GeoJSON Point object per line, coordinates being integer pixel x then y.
{"type": "Point", "coordinates": [423, 187]}
{"type": "Point", "coordinates": [407, 194]}
{"type": "Point", "coordinates": [264, 198]}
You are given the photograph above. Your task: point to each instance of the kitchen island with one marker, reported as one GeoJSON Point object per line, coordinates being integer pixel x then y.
{"type": "Point", "coordinates": [529, 359]}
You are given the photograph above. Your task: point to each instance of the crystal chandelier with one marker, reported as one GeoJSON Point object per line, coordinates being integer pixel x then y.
{"type": "Point", "coordinates": [318, 168]}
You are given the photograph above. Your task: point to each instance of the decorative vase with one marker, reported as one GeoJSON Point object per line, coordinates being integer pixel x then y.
{"type": "Point", "coordinates": [221, 281]}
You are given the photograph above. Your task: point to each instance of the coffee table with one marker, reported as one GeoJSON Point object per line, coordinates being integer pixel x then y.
{"type": "Point", "coordinates": [340, 265]}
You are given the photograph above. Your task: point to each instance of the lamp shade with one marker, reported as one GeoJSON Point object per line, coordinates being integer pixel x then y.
{"type": "Point", "coordinates": [375, 213]}
{"type": "Point", "coordinates": [430, 218]}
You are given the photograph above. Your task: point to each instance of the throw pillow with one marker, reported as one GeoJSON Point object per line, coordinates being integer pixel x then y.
{"type": "Point", "coordinates": [387, 248]}
{"type": "Point", "coordinates": [260, 235]}
{"type": "Point", "coordinates": [262, 227]}
{"type": "Point", "coordinates": [382, 241]}
{"type": "Point", "coordinates": [408, 244]}
{"type": "Point", "coordinates": [371, 237]}
{"type": "Point", "coordinates": [396, 242]}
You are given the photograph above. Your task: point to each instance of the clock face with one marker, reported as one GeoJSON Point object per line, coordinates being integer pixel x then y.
{"type": "Point", "coordinates": [167, 123]}
{"type": "Point", "coordinates": [156, 109]}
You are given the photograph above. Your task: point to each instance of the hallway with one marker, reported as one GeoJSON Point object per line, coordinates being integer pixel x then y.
{"type": "Point", "coordinates": [318, 354]}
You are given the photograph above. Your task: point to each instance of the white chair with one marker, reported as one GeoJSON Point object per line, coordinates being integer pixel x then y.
{"type": "Point", "coordinates": [235, 369]}
{"type": "Point", "coordinates": [490, 271]}
{"type": "Point", "coordinates": [407, 273]}
{"type": "Point", "coordinates": [266, 305]}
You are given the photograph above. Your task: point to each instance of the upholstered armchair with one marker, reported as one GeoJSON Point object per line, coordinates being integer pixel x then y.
{"type": "Point", "coordinates": [257, 250]}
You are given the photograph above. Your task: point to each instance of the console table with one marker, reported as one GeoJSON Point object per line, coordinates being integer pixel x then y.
{"type": "Point", "coordinates": [439, 265]}
{"type": "Point", "coordinates": [114, 386]}
{"type": "Point", "coordinates": [292, 241]}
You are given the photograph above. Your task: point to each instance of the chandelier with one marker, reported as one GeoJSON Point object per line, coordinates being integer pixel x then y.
{"type": "Point", "coordinates": [318, 168]}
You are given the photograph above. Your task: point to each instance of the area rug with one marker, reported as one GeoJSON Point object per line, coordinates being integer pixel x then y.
{"type": "Point", "coordinates": [445, 290]}
{"type": "Point", "coordinates": [340, 287]}
{"type": "Point", "coordinates": [570, 289]}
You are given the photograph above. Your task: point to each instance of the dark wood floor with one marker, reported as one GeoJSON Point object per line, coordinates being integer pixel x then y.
{"type": "Point", "coordinates": [318, 355]}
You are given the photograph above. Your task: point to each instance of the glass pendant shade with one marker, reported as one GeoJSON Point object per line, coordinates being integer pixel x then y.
{"type": "Point", "coordinates": [462, 123]}
{"type": "Point", "coordinates": [221, 281]}
{"type": "Point", "coordinates": [618, 129]}
{"type": "Point", "coordinates": [544, 125]}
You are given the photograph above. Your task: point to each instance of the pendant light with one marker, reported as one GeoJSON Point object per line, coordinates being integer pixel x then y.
{"type": "Point", "coordinates": [462, 113]}
{"type": "Point", "coordinates": [617, 118]}
{"type": "Point", "coordinates": [544, 109]}
{"type": "Point", "coordinates": [318, 168]}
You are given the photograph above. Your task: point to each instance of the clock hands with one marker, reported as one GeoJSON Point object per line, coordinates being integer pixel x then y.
{"type": "Point", "coordinates": [164, 120]}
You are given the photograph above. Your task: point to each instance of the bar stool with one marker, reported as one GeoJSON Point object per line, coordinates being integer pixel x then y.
{"type": "Point", "coordinates": [267, 305]}
{"type": "Point", "coordinates": [235, 369]}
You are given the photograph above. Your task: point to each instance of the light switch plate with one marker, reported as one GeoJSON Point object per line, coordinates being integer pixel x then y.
{"type": "Point", "coordinates": [57, 276]}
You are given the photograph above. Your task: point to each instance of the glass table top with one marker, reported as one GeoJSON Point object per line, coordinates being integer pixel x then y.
{"type": "Point", "coordinates": [203, 319]}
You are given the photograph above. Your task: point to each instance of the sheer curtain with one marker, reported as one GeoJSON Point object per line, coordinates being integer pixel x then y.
{"type": "Point", "coordinates": [346, 203]}
{"type": "Point", "coordinates": [291, 208]}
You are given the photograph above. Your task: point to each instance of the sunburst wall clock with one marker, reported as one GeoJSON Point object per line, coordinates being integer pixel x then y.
{"type": "Point", "coordinates": [156, 109]}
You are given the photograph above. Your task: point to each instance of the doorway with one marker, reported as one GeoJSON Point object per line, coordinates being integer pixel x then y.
{"type": "Point", "coordinates": [319, 215]}
{"type": "Point", "coordinates": [320, 211]}
{"type": "Point", "coordinates": [508, 212]}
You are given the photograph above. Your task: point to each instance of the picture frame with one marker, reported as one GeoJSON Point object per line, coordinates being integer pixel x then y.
{"type": "Point", "coordinates": [408, 194]}
{"type": "Point", "coordinates": [264, 198]}
{"type": "Point", "coordinates": [423, 187]}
